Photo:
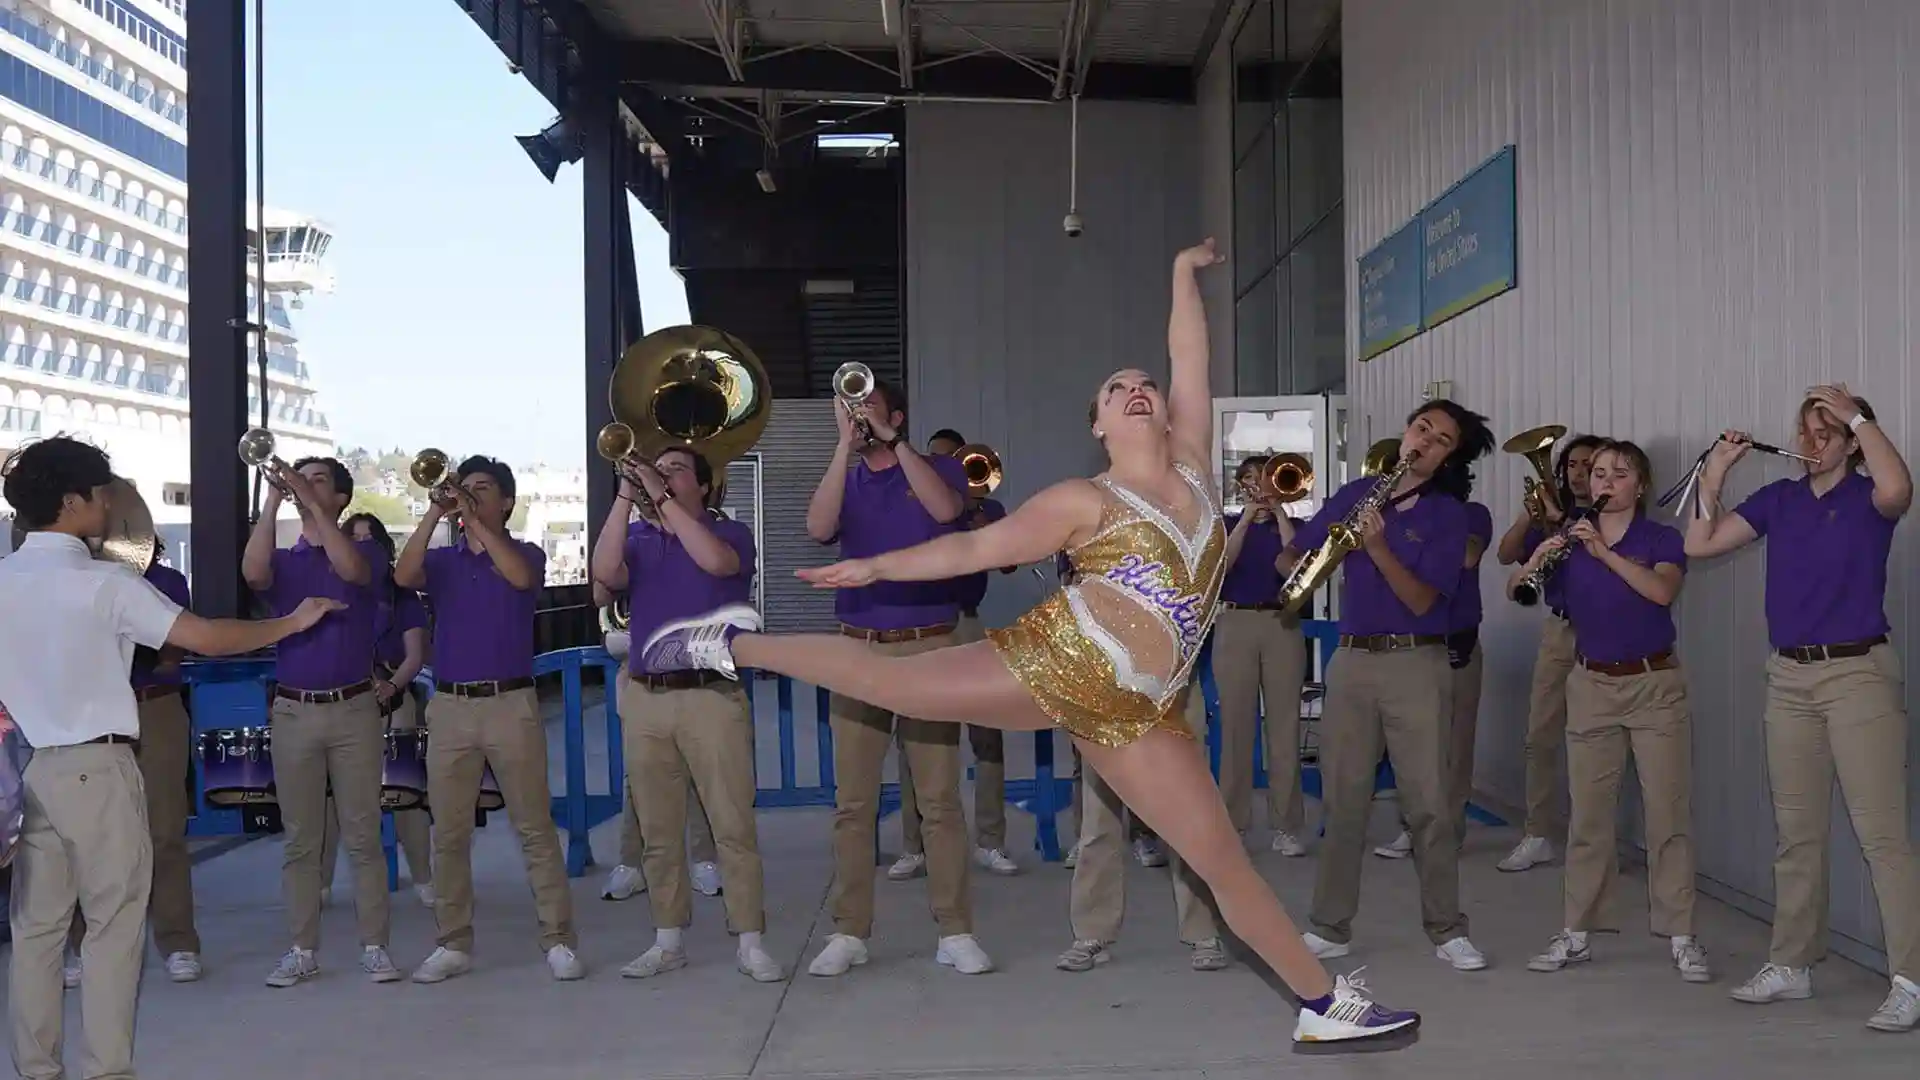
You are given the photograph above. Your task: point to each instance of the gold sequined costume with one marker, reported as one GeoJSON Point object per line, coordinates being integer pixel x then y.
{"type": "Point", "coordinates": [1109, 654]}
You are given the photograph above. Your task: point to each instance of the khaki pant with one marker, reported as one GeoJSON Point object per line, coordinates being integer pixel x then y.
{"type": "Point", "coordinates": [85, 840]}
{"type": "Point", "coordinates": [342, 742]}
{"type": "Point", "coordinates": [1098, 901]}
{"type": "Point", "coordinates": [1547, 729]}
{"type": "Point", "coordinates": [1260, 658]}
{"type": "Point", "coordinates": [989, 774]}
{"type": "Point", "coordinates": [861, 735]}
{"type": "Point", "coordinates": [1403, 698]}
{"type": "Point", "coordinates": [1465, 726]}
{"type": "Point", "coordinates": [1609, 716]}
{"type": "Point", "coordinates": [699, 738]}
{"type": "Point", "coordinates": [633, 845]}
{"type": "Point", "coordinates": [1846, 718]}
{"type": "Point", "coordinates": [412, 828]}
{"type": "Point", "coordinates": [506, 732]}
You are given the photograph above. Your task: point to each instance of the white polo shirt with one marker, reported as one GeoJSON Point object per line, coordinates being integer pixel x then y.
{"type": "Point", "coordinates": [68, 627]}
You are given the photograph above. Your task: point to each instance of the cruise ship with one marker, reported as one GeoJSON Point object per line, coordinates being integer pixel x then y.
{"type": "Point", "coordinates": [93, 268]}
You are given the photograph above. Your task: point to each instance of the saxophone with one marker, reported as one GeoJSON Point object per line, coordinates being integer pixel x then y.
{"type": "Point", "coordinates": [1343, 536]}
{"type": "Point", "coordinates": [1528, 590]}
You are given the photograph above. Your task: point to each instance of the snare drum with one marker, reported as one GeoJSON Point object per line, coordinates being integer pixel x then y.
{"type": "Point", "coordinates": [403, 780]}
{"type": "Point", "coordinates": [236, 766]}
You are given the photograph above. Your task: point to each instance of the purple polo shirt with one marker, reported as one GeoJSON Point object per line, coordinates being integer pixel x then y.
{"type": "Point", "coordinates": [1253, 578]}
{"type": "Point", "coordinates": [1429, 539]}
{"type": "Point", "coordinates": [1467, 610]}
{"type": "Point", "coordinates": [971, 590]}
{"type": "Point", "coordinates": [173, 585]}
{"type": "Point", "coordinates": [1611, 622]}
{"type": "Point", "coordinates": [399, 614]}
{"type": "Point", "coordinates": [880, 513]}
{"type": "Point", "coordinates": [338, 650]}
{"type": "Point", "coordinates": [482, 626]}
{"type": "Point", "coordinates": [1826, 561]}
{"type": "Point", "coordinates": [664, 583]}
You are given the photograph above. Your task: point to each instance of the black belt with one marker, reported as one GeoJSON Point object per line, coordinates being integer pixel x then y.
{"type": "Point", "coordinates": [484, 688]}
{"type": "Point", "coordinates": [894, 637]}
{"type": "Point", "coordinates": [1274, 606]}
{"type": "Point", "coordinates": [678, 680]}
{"type": "Point", "coordinates": [1660, 661]}
{"type": "Point", "coordinates": [969, 612]}
{"type": "Point", "coordinates": [1810, 654]}
{"type": "Point", "coordinates": [324, 697]}
{"type": "Point", "coordinates": [1389, 642]}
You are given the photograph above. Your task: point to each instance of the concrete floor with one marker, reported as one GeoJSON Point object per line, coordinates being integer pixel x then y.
{"type": "Point", "coordinates": [1146, 1015]}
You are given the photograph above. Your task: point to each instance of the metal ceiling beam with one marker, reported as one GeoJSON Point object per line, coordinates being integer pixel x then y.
{"type": "Point", "coordinates": [874, 72]}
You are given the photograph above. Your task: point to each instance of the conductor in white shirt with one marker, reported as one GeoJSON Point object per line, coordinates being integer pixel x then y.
{"type": "Point", "coordinates": [66, 650]}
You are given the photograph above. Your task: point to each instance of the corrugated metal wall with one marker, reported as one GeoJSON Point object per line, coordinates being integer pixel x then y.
{"type": "Point", "coordinates": [794, 451]}
{"type": "Point", "coordinates": [1717, 209]}
{"type": "Point", "coordinates": [1011, 324]}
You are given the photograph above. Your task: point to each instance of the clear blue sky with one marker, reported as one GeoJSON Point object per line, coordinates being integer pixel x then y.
{"type": "Point", "coordinates": [457, 321]}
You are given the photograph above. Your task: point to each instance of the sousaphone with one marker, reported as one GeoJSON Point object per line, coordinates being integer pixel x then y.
{"type": "Point", "coordinates": [687, 386]}
{"type": "Point", "coordinates": [130, 537]}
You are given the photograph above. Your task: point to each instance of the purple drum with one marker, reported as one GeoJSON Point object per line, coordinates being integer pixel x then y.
{"type": "Point", "coordinates": [490, 797]}
{"type": "Point", "coordinates": [403, 781]}
{"type": "Point", "coordinates": [236, 766]}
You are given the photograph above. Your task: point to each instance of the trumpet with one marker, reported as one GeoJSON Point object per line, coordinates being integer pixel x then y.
{"type": "Point", "coordinates": [620, 447]}
{"type": "Point", "coordinates": [1343, 536]}
{"type": "Point", "coordinates": [1536, 445]}
{"type": "Point", "coordinates": [984, 471]}
{"type": "Point", "coordinates": [1287, 478]}
{"type": "Point", "coordinates": [432, 471]}
{"type": "Point", "coordinates": [852, 386]}
{"type": "Point", "coordinates": [257, 450]}
{"type": "Point", "coordinates": [1528, 590]}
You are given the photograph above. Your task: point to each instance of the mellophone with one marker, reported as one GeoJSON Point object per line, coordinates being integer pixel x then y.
{"type": "Point", "coordinates": [236, 769]}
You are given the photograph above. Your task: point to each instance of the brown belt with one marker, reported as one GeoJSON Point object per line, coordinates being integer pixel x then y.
{"type": "Point", "coordinates": [1231, 606]}
{"type": "Point", "coordinates": [113, 740]}
{"type": "Point", "coordinates": [890, 637]}
{"type": "Point", "coordinates": [678, 680]}
{"type": "Point", "coordinates": [324, 697]}
{"type": "Point", "coordinates": [484, 688]}
{"type": "Point", "coordinates": [1389, 642]}
{"type": "Point", "coordinates": [1660, 661]}
{"type": "Point", "coordinates": [1810, 654]}
{"type": "Point", "coordinates": [156, 690]}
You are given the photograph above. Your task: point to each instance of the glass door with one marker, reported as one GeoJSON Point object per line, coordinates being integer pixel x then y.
{"type": "Point", "coordinates": [1303, 424]}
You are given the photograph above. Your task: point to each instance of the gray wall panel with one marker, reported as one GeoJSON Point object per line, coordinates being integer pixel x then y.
{"type": "Point", "coordinates": [1717, 209]}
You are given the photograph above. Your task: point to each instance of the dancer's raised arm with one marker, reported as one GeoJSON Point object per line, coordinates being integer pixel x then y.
{"type": "Point", "coordinates": [1059, 517]}
{"type": "Point", "coordinates": [1190, 389]}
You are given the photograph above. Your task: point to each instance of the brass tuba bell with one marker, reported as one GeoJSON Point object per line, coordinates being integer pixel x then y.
{"type": "Point", "coordinates": [685, 386]}
{"type": "Point", "coordinates": [1287, 477]}
{"type": "Point", "coordinates": [1536, 445]}
{"type": "Point", "coordinates": [984, 471]}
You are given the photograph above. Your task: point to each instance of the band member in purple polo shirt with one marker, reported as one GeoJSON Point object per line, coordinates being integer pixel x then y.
{"type": "Point", "coordinates": [1835, 699]}
{"type": "Point", "coordinates": [326, 717]}
{"type": "Point", "coordinates": [1627, 695]}
{"type": "Point", "coordinates": [1390, 682]}
{"type": "Point", "coordinates": [1259, 665]}
{"type": "Point", "coordinates": [879, 495]}
{"type": "Point", "coordinates": [1552, 663]}
{"type": "Point", "coordinates": [989, 744]}
{"type": "Point", "coordinates": [1107, 658]}
{"type": "Point", "coordinates": [485, 712]}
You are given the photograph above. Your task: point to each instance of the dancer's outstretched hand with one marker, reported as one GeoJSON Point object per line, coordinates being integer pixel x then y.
{"type": "Point", "coordinates": [849, 574]}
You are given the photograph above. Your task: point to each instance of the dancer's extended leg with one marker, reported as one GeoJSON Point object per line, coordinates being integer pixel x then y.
{"type": "Point", "coordinates": [961, 684]}
{"type": "Point", "coordinates": [1164, 779]}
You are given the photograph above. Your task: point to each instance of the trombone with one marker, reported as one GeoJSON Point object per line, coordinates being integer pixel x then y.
{"type": "Point", "coordinates": [852, 386]}
{"type": "Point", "coordinates": [1536, 445]}
{"type": "Point", "coordinates": [984, 470]}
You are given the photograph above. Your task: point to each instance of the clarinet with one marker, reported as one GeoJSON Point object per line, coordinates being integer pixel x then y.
{"type": "Point", "coordinates": [1528, 590]}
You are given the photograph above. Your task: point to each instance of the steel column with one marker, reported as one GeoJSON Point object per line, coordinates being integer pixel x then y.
{"type": "Point", "coordinates": [216, 320]}
{"type": "Point", "coordinates": [609, 282]}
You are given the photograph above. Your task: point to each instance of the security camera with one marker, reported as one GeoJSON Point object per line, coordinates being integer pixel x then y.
{"type": "Point", "coordinates": [1072, 225]}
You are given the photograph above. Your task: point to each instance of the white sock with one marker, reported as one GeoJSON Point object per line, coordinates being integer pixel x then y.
{"type": "Point", "coordinates": [1681, 941]}
{"type": "Point", "coordinates": [1579, 938]}
{"type": "Point", "coordinates": [749, 941]}
{"type": "Point", "coordinates": [666, 938]}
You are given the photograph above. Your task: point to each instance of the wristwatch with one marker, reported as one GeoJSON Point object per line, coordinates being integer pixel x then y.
{"type": "Point", "coordinates": [1858, 419]}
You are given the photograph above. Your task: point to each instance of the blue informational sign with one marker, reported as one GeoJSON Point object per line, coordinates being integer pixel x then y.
{"type": "Point", "coordinates": [1468, 239]}
{"type": "Point", "coordinates": [1390, 291]}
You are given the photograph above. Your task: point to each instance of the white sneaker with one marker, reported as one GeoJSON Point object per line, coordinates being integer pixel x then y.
{"type": "Point", "coordinates": [1148, 853]}
{"type": "Point", "coordinates": [1072, 857]}
{"type": "Point", "coordinates": [1567, 947]}
{"type": "Point", "coordinates": [565, 964]}
{"type": "Point", "coordinates": [297, 966]}
{"type": "Point", "coordinates": [1084, 955]}
{"type": "Point", "coordinates": [655, 961]}
{"type": "Point", "coordinates": [444, 964]}
{"type": "Point", "coordinates": [1901, 1010]}
{"type": "Point", "coordinates": [1461, 954]}
{"type": "Point", "coordinates": [1775, 982]}
{"type": "Point", "coordinates": [1208, 955]}
{"type": "Point", "coordinates": [1401, 848]}
{"type": "Point", "coordinates": [842, 952]}
{"type": "Point", "coordinates": [183, 967]}
{"type": "Point", "coordinates": [378, 965]}
{"type": "Point", "coordinates": [907, 866]}
{"type": "Point", "coordinates": [1288, 844]}
{"type": "Point", "coordinates": [426, 895]}
{"type": "Point", "coordinates": [706, 879]}
{"type": "Point", "coordinates": [1324, 949]}
{"type": "Point", "coordinates": [625, 881]}
{"type": "Point", "coordinates": [1532, 851]}
{"type": "Point", "coordinates": [995, 861]}
{"type": "Point", "coordinates": [70, 974]}
{"type": "Point", "coordinates": [1691, 960]}
{"type": "Point", "coordinates": [757, 965]}
{"type": "Point", "coordinates": [963, 953]}
{"type": "Point", "coordinates": [1350, 1015]}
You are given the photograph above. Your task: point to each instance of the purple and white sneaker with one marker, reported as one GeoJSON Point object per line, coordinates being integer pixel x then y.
{"type": "Point", "coordinates": [1350, 1014]}
{"type": "Point", "coordinates": [702, 643]}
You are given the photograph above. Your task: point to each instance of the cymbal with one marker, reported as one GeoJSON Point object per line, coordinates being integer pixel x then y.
{"type": "Point", "coordinates": [130, 537]}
